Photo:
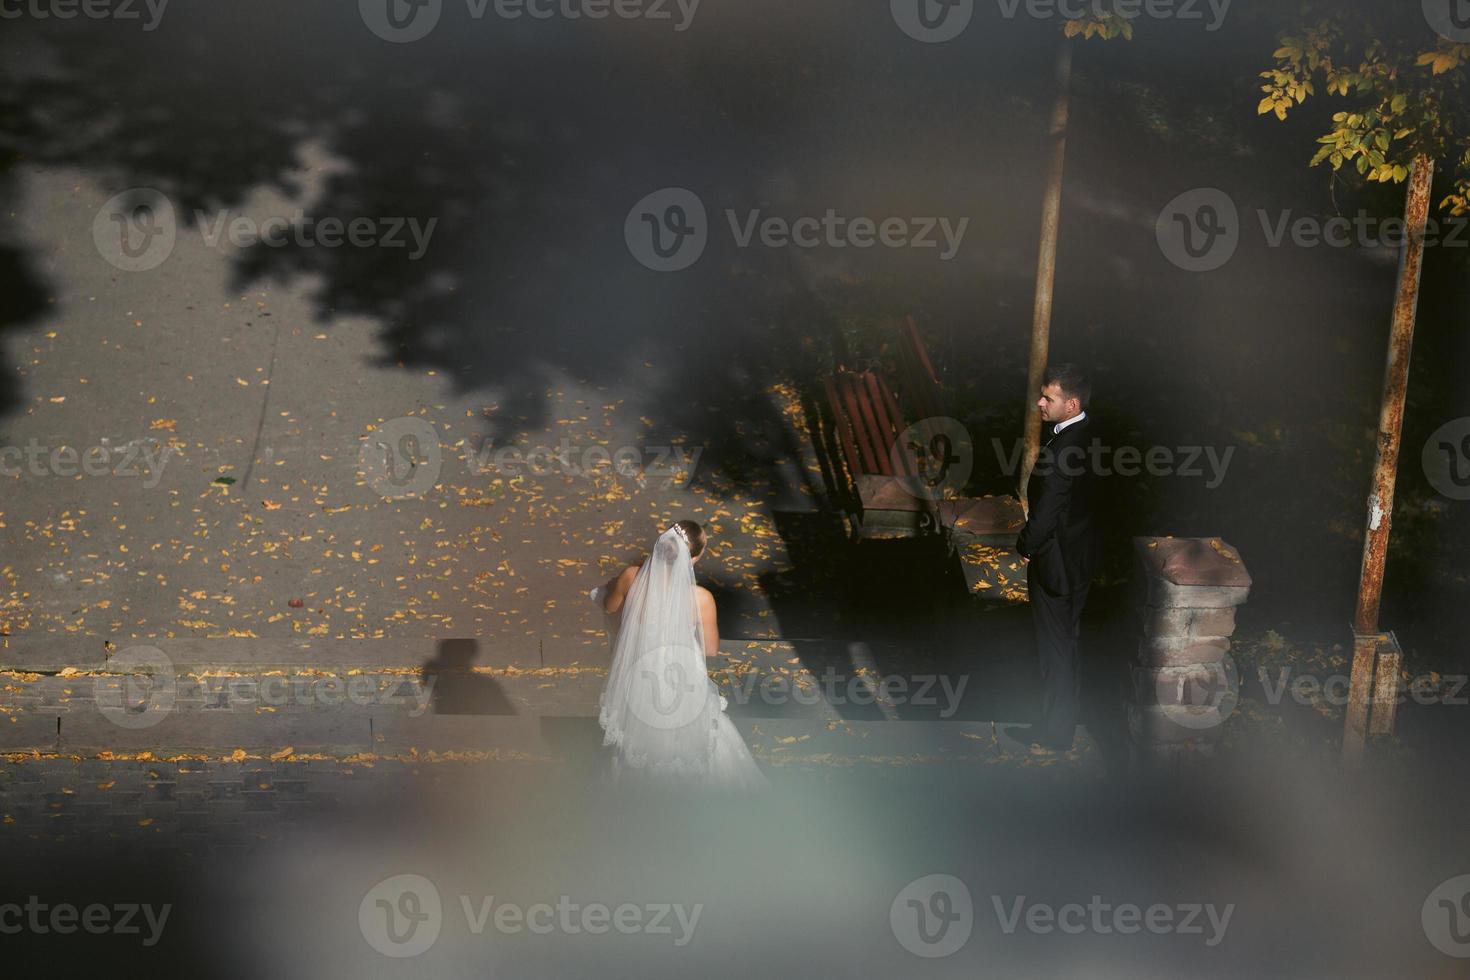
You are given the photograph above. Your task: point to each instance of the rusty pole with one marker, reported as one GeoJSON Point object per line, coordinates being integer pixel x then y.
{"type": "Point", "coordinates": [1046, 263]}
{"type": "Point", "coordinates": [1369, 643]}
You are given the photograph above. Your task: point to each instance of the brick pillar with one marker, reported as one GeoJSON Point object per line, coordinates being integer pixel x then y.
{"type": "Point", "coordinates": [1185, 683]}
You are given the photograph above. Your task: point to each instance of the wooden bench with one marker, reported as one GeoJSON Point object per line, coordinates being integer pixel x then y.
{"type": "Point", "coordinates": [880, 493]}
{"type": "Point", "coordinates": [924, 396]}
{"type": "Point", "coordinates": [970, 524]}
{"type": "Point", "coordinates": [865, 421]}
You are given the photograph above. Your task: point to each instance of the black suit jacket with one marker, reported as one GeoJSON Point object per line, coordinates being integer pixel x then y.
{"type": "Point", "coordinates": [1061, 536]}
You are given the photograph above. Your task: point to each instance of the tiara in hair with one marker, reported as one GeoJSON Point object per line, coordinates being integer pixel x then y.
{"type": "Point", "coordinates": [679, 530]}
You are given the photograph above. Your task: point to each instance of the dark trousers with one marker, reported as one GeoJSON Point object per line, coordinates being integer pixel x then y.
{"type": "Point", "coordinates": [1057, 619]}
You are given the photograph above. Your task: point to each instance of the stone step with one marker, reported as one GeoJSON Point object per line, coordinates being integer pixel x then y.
{"type": "Point", "coordinates": [50, 653]}
{"type": "Point", "coordinates": [345, 734]}
{"type": "Point", "coordinates": [758, 678]}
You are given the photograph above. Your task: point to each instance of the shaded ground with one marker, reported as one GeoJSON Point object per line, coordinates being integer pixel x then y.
{"type": "Point", "coordinates": [527, 321]}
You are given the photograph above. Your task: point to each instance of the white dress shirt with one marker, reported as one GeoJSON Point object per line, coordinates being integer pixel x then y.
{"type": "Point", "coordinates": [1057, 429]}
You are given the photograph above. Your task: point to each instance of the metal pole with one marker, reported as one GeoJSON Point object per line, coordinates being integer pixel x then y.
{"type": "Point", "coordinates": [1046, 264]}
{"type": "Point", "coordinates": [1390, 430]}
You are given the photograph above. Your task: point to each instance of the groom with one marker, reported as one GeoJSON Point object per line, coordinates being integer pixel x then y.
{"type": "Point", "coordinates": [1063, 548]}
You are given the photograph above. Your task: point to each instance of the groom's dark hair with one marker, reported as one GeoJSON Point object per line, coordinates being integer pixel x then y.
{"type": "Point", "coordinates": [694, 534]}
{"type": "Point", "coordinates": [1073, 381]}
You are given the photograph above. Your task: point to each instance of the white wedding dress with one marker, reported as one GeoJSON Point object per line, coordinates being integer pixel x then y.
{"type": "Point", "coordinates": [661, 713]}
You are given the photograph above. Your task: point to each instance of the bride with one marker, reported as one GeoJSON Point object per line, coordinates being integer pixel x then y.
{"type": "Point", "coordinates": [660, 710]}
